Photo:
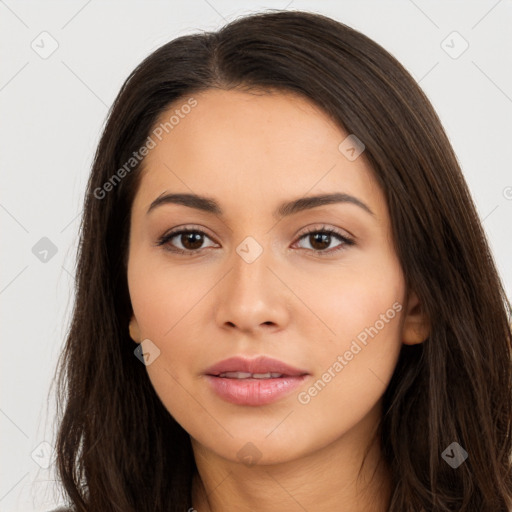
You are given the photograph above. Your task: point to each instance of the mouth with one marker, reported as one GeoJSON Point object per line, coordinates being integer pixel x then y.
{"type": "Point", "coordinates": [247, 375]}
{"type": "Point", "coordinates": [253, 382]}
{"type": "Point", "coordinates": [261, 367]}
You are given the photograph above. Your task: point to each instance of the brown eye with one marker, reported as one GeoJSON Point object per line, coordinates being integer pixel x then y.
{"type": "Point", "coordinates": [184, 241]}
{"type": "Point", "coordinates": [191, 240]}
{"type": "Point", "coordinates": [321, 239]}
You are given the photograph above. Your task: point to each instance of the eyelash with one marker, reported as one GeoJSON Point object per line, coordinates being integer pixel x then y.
{"type": "Point", "coordinates": [324, 230]}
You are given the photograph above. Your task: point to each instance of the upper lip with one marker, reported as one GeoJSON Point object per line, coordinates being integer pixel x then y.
{"type": "Point", "coordinates": [258, 365]}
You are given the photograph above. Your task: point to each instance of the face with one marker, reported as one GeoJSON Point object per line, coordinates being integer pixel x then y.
{"type": "Point", "coordinates": [316, 286]}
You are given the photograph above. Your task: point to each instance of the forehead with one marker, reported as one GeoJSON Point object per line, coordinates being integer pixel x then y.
{"type": "Point", "coordinates": [235, 144]}
{"type": "Point", "coordinates": [235, 123]}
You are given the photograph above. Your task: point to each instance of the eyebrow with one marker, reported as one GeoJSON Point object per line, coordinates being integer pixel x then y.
{"type": "Point", "coordinates": [210, 205]}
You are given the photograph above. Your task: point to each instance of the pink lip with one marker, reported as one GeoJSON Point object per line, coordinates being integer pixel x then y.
{"type": "Point", "coordinates": [261, 364]}
{"type": "Point", "coordinates": [254, 391]}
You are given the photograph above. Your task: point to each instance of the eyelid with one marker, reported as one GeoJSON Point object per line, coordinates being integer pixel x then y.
{"type": "Point", "coordinates": [326, 227]}
{"type": "Point", "coordinates": [187, 227]}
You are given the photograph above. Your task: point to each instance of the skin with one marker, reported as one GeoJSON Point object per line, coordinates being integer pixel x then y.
{"type": "Point", "coordinates": [250, 152]}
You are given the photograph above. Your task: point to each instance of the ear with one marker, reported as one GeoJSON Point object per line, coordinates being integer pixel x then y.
{"type": "Point", "coordinates": [416, 326]}
{"type": "Point", "coordinates": [134, 330]}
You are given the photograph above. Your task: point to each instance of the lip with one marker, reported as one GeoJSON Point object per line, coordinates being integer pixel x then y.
{"type": "Point", "coordinates": [260, 364]}
{"type": "Point", "coordinates": [252, 391]}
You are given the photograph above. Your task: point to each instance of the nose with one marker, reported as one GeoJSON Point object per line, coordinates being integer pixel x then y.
{"type": "Point", "coordinates": [251, 298]}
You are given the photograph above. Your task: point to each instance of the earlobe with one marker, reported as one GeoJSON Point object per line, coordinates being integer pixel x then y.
{"type": "Point", "coordinates": [134, 330]}
{"type": "Point", "coordinates": [416, 327]}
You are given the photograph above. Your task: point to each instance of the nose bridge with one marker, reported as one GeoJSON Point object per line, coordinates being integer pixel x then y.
{"type": "Point", "coordinates": [250, 249]}
{"type": "Point", "coordinates": [248, 296]}
{"type": "Point", "coordinates": [250, 260]}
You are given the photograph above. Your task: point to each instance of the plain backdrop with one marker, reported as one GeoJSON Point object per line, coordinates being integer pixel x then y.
{"type": "Point", "coordinates": [53, 106]}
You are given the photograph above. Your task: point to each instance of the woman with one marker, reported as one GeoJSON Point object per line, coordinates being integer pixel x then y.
{"type": "Point", "coordinates": [284, 299]}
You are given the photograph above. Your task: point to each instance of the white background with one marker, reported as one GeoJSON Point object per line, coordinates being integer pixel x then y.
{"type": "Point", "coordinates": [52, 112]}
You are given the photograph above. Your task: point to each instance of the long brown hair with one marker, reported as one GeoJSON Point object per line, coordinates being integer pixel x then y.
{"type": "Point", "coordinates": [118, 447]}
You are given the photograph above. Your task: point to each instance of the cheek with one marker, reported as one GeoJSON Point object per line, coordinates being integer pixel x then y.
{"type": "Point", "coordinates": [353, 368]}
{"type": "Point", "coordinates": [356, 361]}
{"type": "Point", "coordinates": [166, 302]}
{"type": "Point", "coordinates": [162, 301]}
{"type": "Point", "coordinates": [161, 296]}
{"type": "Point", "coordinates": [354, 301]}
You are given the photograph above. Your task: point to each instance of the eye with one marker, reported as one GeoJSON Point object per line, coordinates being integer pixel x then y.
{"type": "Point", "coordinates": [192, 239]}
{"type": "Point", "coordinates": [321, 238]}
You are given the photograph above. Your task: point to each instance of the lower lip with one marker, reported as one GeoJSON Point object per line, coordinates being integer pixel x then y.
{"type": "Point", "coordinates": [254, 391]}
